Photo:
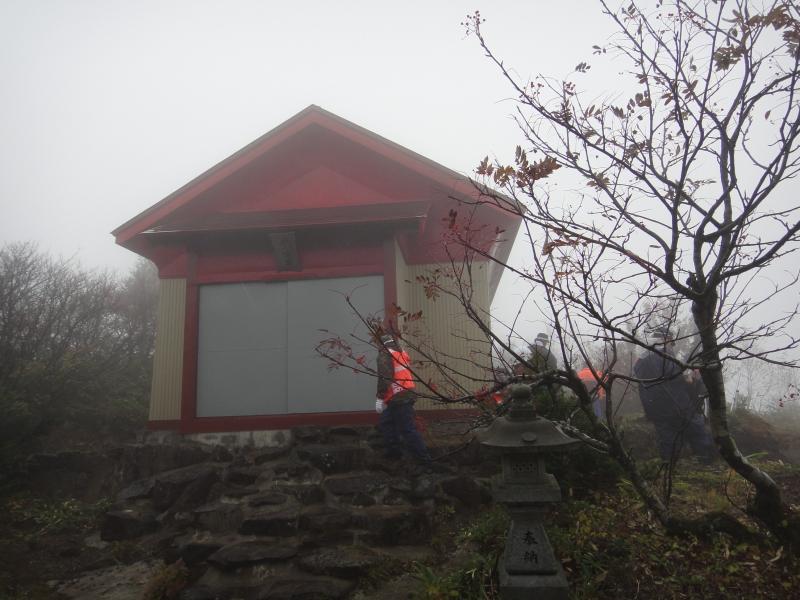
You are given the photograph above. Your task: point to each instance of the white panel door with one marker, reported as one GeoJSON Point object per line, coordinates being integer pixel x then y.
{"type": "Point", "coordinates": [316, 305]}
{"type": "Point", "coordinates": [242, 343]}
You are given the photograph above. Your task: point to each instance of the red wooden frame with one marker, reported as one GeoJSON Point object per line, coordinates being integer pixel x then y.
{"type": "Point", "coordinates": [383, 197]}
{"type": "Point", "coordinates": [189, 421]}
{"type": "Point", "coordinates": [273, 422]}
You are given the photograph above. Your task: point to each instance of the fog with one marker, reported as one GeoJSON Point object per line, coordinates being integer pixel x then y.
{"type": "Point", "coordinates": [108, 106]}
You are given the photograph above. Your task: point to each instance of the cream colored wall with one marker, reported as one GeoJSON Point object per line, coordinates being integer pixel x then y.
{"type": "Point", "coordinates": [445, 332]}
{"type": "Point", "coordinates": [401, 272]}
{"type": "Point", "coordinates": [165, 392]}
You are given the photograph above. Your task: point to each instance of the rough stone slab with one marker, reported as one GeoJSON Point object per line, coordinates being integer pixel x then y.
{"type": "Point", "coordinates": [194, 548]}
{"type": "Point", "coordinates": [309, 434]}
{"type": "Point", "coordinates": [365, 483]}
{"type": "Point", "coordinates": [395, 525]}
{"type": "Point", "coordinates": [423, 488]}
{"type": "Point", "coordinates": [170, 484]}
{"type": "Point", "coordinates": [360, 500]}
{"type": "Point", "coordinates": [307, 588]}
{"type": "Point", "coordinates": [268, 499]}
{"type": "Point", "coordinates": [196, 492]}
{"type": "Point", "coordinates": [263, 455]}
{"type": "Point", "coordinates": [127, 524]}
{"type": "Point", "coordinates": [324, 518]}
{"type": "Point", "coordinates": [142, 488]}
{"type": "Point", "coordinates": [195, 552]}
{"type": "Point", "coordinates": [306, 493]}
{"type": "Point", "coordinates": [254, 552]}
{"type": "Point", "coordinates": [346, 562]}
{"type": "Point", "coordinates": [242, 475]}
{"type": "Point", "coordinates": [465, 489]}
{"type": "Point", "coordinates": [219, 516]}
{"type": "Point", "coordinates": [239, 492]}
{"type": "Point", "coordinates": [120, 582]}
{"type": "Point", "coordinates": [344, 431]}
{"type": "Point", "coordinates": [296, 471]}
{"type": "Point", "coordinates": [333, 458]}
{"type": "Point", "coordinates": [281, 523]}
{"type": "Point", "coordinates": [139, 461]}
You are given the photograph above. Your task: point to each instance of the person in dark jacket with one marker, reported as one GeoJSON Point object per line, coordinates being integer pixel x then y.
{"type": "Point", "coordinates": [394, 403]}
{"type": "Point", "coordinates": [668, 403]}
{"type": "Point", "coordinates": [540, 360]}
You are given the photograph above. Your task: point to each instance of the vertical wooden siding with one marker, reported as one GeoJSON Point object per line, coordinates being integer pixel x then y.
{"type": "Point", "coordinates": [446, 331]}
{"type": "Point", "coordinates": [165, 392]}
{"type": "Point", "coordinates": [401, 272]}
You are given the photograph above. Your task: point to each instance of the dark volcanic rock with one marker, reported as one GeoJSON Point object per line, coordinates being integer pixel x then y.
{"type": "Point", "coordinates": [239, 492]}
{"type": "Point", "coordinates": [306, 493]}
{"type": "Point", "coordinates": [305, 588]}
{"type": "Point", "coordinates": [218, 516]}
{"type": "Point", "coordinates": [347, 562]}
{"type": "Point", "coordinates": [295, 471]}
{"type": "Point", "coordinates": [139, 461]}
{"type": "Point", "coordinates": [468, 491]}
{"type": "Point", "coordinates": [195, 552]}
{"type": "Point", "coordinates": [196, 492]}
{"type": "Point", "coordinates": [345, 432]}
{"type": "Point", "coordinates": [395, 525]}
{"type": "Point", "coordinates": [263, 455]}
{"type": "Point", "coordinates": [361, 483]}
{"type": "Point", "coordinates": [253, 552]}
{"type": "Point", "coordinates": [242, 475]}
{"type": "Point", "coordinates": [268, 499]}
{"type": "Point", "coordinates": [423, 488]}
{"type": "Point", "coordinates": [324, 518]}
{"type": "Point", "coordinates": [142, 488]}
{"type": "Point", "coordinates": [361, 500]}
{"type": "Point", "coordinates": [169, 485]}
{"type": "Point", "coordinates": [280, 523]}
{"type": "Point", "coordinates": [310, 434]}
{"type": "Point", "coordinates": [334, 458]}
{"type": "Point", "coordinates": [127, 524]}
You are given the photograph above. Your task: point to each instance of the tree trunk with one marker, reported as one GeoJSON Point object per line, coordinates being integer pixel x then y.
{"type": "Point", "coordinates": [767, 505]}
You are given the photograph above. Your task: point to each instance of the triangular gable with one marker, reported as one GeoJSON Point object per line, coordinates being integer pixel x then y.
{"type": "Point", "coordinates": [449, 180]}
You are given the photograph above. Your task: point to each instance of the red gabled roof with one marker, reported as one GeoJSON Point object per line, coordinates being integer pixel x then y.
{"type": "Point", "coordinates": [273, 171]}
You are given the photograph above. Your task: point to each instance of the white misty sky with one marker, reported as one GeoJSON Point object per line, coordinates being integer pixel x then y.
{"type": "Point", "coordinates": [107, 106]}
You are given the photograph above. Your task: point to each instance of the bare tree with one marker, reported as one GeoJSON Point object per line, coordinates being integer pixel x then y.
{"type": "Point", "coordinates": [75, 345]}
{"type": "Point", "coordinates": [682, 201]}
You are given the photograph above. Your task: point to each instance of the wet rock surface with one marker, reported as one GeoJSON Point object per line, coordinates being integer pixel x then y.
{"type": "Point", "coordinates": [253, 552]}
{"type": "Point", "coordinates": [308, 520]}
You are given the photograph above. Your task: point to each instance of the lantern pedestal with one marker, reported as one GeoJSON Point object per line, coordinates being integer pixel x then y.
{"type": "Point", "coordinates": [528, 569]}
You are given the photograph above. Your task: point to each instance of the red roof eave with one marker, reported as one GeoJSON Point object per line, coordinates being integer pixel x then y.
{"type": "Point", "coordinates": [451, 180]}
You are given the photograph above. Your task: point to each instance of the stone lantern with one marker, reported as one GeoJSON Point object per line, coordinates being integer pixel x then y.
{"type": "Point", "coordinates": [528, 568]}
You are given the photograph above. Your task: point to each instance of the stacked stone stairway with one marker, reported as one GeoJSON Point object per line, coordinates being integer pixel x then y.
{"type": "Point", "coordinates": [313, 517]}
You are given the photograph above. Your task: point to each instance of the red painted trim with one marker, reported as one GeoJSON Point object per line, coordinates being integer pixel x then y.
{"type": "Point", "coordinates": [214, 175]}
{"type": "Point", "coordinates": [268, 422]}
{"type": "Point", "coordinates": [190, 331]}
{"type": "Point", "coordinates": [449, 180]}
{"type": "Point", "coordinates": [389, 279]}
{"type": "Point", "coordinates": [320, 273]}
{"type": "Point", "coordinates": [272, 422]}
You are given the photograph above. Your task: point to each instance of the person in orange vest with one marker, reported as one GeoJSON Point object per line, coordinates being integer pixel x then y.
{"type": "Point", "coordinates": [395, 403]}
{"type": "Point", "coordinates": [596, 391]}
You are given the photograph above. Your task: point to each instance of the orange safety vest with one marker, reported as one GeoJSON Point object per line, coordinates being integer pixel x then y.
{"type": "Point", "coordinates": [586, 376]}
{"type": "Point", "coordinates": [402, 379]}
